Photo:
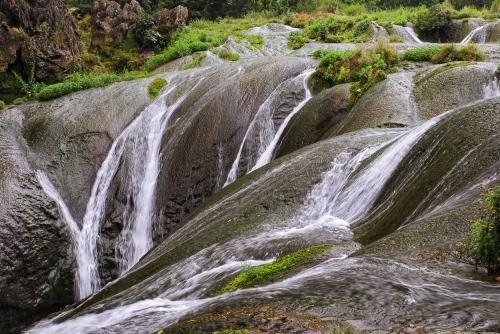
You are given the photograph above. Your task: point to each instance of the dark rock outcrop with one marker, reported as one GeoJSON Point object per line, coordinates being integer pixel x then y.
{"type": "Point", "coordinates": [110, 22]}
{"type": "Point", "coordinates": [168, 20]}
{"type": "Point", "coordinates": [40, 34]}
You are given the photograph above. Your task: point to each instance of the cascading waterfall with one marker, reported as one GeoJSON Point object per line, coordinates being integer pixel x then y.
{"type": "Point", "coordinates": [413, 35]}
{"type": "Point", "coordinates": [344, 195]}
{"type": "Point", "coordinates": [480, 32]}
{"type": "Point", "coordinates": [263, 124]}
{"type": "Point", "coordinates": [492, 89]}
{"type": "Point", "coordinates": [143, 139]}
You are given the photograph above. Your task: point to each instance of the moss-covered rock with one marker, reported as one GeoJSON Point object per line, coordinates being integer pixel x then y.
{"type": "Point", "coordinates": [155, 87]}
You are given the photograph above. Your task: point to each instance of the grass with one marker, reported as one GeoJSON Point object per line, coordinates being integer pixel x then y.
{"type": "Point", "coordinates": [268, 273]}
{"type": "Point", "coordinates": [2, 104]}
{"type": "Point", "coordinates": [296, 40]}
{"type": "Point", "coordinates": [155, 87]}
{"type": "Point", "coordinates": [76, 82]}
{"type": "Point", "coordinates": [195, 62]}
{"type": "Point", "coordinates": [227, 55]}
{"type": "Point", "coordinates": [449, 53]}
{"type": "Point", "coordinates": [202, 35]}
{"type": "Point", "coordinates": [420, 54]}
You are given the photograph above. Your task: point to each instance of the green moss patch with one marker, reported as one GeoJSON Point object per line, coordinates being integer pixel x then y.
{"type": "Point", "coordinates": [195, 62]}
{"type": "Point", "coordinates": [155, 87]}
{"type": "Point", "coordinates": [420, 54]}
{"type": "Point", "coordinates": [296, 40]}
{"type": "Point", "coordinates": [228, 55]}
{"type": "Point", "coordinates": [268, 273]}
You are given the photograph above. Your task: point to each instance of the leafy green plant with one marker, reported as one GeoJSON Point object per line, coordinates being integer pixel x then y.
{"type": "Point", "coordinates": [451, 53]}
{"type": "Point", "coordinates": [76, 82]}
{"type": "Point", "coordinates": [20, 100]}
{"type": "Point", "coordinates": [434, 23]}
{"type": "Point", "coordinates": [276, 270]}
{"type": "Point", "coordinates": [228, 55]}
{"type": "Point", "coordinates": [2, 104]}
{"type": "Point", "coordinates": [195, 62]}
{"type": "Point", "coordinates": [155, 87]}
{"type": "Point", "coordinates": [146, 35]}
{"type": "Point", "coordinates": [296, 40]}
{"type": "Point", "coordinates": [420, 54]}
{"type": "Point", "coordinates": [363, 68]}
{"type": "Point", "coordinates": [28, 86]}
{"type": "Point", "coordinates": [486, 233]}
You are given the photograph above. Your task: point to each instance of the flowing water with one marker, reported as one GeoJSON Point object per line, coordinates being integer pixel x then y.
{"type": "Point", "coordinates": [477, 35]}
{"type": "Point", "coordinates": [262, 133]}
{"type": "Point", "coordinates": [142, 140]}
{"type": "Point", "coordinates": [381, 290]}
{"type": "Point", "coordinates": [413, 35]}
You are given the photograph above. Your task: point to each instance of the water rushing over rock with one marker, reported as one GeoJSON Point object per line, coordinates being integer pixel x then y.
{"type": "Point", "coordinates": [262, 135]}
{"type": "Point", "coordinates": [478, 35]}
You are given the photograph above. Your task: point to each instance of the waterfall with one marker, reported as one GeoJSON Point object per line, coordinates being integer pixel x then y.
{"type": "Point", "coordinates": [264, 125]}
{"type": "Point", "coordinates": [492, 89]}
{"type": "Point", "coordinates": [142, 140]}
{"type": "Point", "coordinates": [413, 35]}
{"type": "Point", "coordinates": [479, 31]}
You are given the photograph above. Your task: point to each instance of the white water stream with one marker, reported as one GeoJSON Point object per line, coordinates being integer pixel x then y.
{"type": "Point", "coordinates": [143, 138]}
{"type": "Point", "coordinates": [413, 35]}
{"type": "Point", "coordinates": [479, 34]}
{"type": "Point", "coordinates": [263, 125]}
{"type": "Point", "coordinates": [345, 194]}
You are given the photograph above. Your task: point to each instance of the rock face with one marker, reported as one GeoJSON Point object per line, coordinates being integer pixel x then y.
{"type": "Point", "coordinates": [110, 22]}
{"type": "Point", "coordinates": [168, 20]}
{"type": "Point", "coordinates": [39, 34]}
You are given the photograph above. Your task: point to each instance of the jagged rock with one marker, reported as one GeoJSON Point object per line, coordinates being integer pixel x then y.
{"type": "Point", "coordinates": [170, 19]}
{"type": "Point", "coordinates": [110, 22]}
{"type": "Point", "coordinates": [38, 33]}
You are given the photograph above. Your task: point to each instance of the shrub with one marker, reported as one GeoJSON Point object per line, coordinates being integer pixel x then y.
{"type": "Point", "coordinates": [228, 55]}
{"type": "Point", "coordinates": [28, 86]}
{"type": "Point", "coordinates": [276, 270]}
{"type": "Point", "coordinates": [195, 62]}
{"type": "Point", "coordinates": [420, 54]}
{"type": "Point", "coordinates": [339, 30]}
{"type": "Point", "coordinates": [486, 233]}
{"type": "Point", "coordinates": [2, 104]}
{"type": "Point", "coordinates": [155, 87]}
{"type": "Point", "coordinates": [296, 40]}
{"type": "Point", "coordinates": [77, 81]}
{"type": "Point", "coordinates": [435, 22]}
{"type": "Point", "coordinates": [146, 35]}
{"type": "Point", "coordinates": [363, 68]}
{"type": "Point", "coordinates": [450, 53]}
{"type": "Point", "coordinates": [20, 100]}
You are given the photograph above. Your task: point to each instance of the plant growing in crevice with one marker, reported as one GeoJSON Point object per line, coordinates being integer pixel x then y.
{"type": "Point", "coordinates": [28, 86]}
{"type": "Point", "coordinates": [155, 87]}
{"type": "Point", "coordinates": [296, 40]}
{"type": "Point", "coordinates": [486, 233]}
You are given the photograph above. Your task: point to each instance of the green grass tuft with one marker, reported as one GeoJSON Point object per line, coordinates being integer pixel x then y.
{"type": "Point", "coordinates": [449, 53]}
{"type": "Point", "coordinates": [228, 55]}
{"type": "Point", "coordinates": [195, 62]}
{"type": "Point", "coordinates": [76, 82]}
{"type": "Point", "coordinates": [155, 87]}
{"type": "Point", "coordinates": [420, 54]}
{"type": "Point", "coordinates": [296, 40]}
{"type": "Point", "coordinates": [2, 104]}
{"type": "Point", "coordinates": [276, 270]}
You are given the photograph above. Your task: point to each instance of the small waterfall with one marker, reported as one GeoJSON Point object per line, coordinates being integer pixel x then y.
{"type": "Point", "coordinates": [263, 124]}
{"type": "Point", "coordinates": [51, 191]}
{"type": "Point", "coordinates": [142, 140]}
{"type": "Point", "coordinates": [413, 35]}
{"type": "Point", "coordinates": [479, 34]}
{"type": "Point", "coordinates": [492, 89]}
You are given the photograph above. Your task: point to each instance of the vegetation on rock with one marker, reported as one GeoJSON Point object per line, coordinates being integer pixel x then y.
{"type": "Point", "coordinates": [420, 54]}
{"type": "Point", "coordinates": [77, 81]}
{"type": "Point", "coordinates": [296, 40]}
{"type": "Point", "coordinates": [486, 233]}
{"type": "Point", "coordinates": [195, 62]}
{"type": "Point", "coordinates": [276, 270]}
{"type": "Point", "coordinates": [451, 53]}
{"type": "Point", "coordinates": [228, 55]}
{"type": "Point", "coordinates": [433, 23]}
{"type": "Point", "coordinates": [155, 87]}
{"type": "Point", "coordinates": [2, 104]}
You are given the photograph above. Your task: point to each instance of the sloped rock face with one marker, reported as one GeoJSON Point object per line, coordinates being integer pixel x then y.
{"type": "Point", "coordinates": [40, 34]}
{"type": "Point", "coordinates": [35, 251]}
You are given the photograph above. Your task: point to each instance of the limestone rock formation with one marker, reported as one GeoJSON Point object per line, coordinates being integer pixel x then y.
{"type": "Point", "coordinates": [40, 34]}
{"type": "Point", "coordinates": [170, 19]}
{"type": "Point", "coordinates": [110, 22]}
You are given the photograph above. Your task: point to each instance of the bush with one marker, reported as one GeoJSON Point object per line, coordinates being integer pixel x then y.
{"type": "Point", "coordinates": [2, 104]}
{"type": "Point", "coordinates": [276, 270]}
{"type": "Point", "coordinates": [434, 23]}
{"type": "Point", "coordinates": [363, 68]}
{"type": "Point", "coordinates": [20, 100]}
{"type": "Point", "coordinates": [76, 82]}
{"type": "Point", "coordinates": [451, 53]}
{"type": "Point", "coordinates": [155, 87]}
{"type": "Point", "coordinates": [420, 54]}
{"type": "Point", "coordinates": [339, 30]}
{"type": "Point", "coordinates": [228, 55]}
{"type": "Point", "coordinates": [486, 233]}
{"type": "Point", "coordinates": [296, 40]}
{"type": "Point", "coordinates": [195, 62]}
{"type": "Point", "coordinates": [146, 35]}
